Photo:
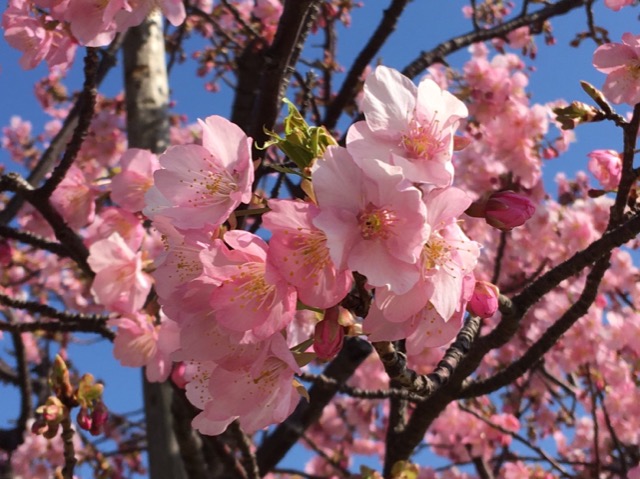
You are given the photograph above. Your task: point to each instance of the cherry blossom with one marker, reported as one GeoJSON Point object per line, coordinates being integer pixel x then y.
{"type": "Point", "coordinates": [201, 185]}
{"type": "Point", "coordinates": [252, 295]}
{"type": "Point", "coordinates": [621, 63]}
{"type": "Point", "coordinates": [299, 250]}
{"type": "Point", "coordinates": [412, 127]}
{"type": "Point", "coordinates": [374, 221]}
{"type": "Point", "coordinates": [119, 284]}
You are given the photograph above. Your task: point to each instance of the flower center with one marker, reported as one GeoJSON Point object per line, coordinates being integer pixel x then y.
{"type": "Point", "coordinates": [423, 141]}
{"type": "Point", "coordinates": [252, 288]}
{"type": "Point", "coordinates": [376, 223]}
{"type": "Point", "coordinates": [435, 253]}
{"type": "Point", "coordinates": [309, 253]}
{"type": "Point", "coordinates": [634, 69]}
{"type": "Point", "coordinates": [211, 187]}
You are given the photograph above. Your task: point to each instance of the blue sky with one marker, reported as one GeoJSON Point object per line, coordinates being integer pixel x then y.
{"type": "Point", "coordinates": [555, 74]}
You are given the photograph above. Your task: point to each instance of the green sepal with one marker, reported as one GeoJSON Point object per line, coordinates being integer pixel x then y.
{"type": "Point", "coordinates": [301, 143]}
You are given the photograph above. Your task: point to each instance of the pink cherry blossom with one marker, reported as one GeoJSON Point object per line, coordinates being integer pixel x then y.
{"type": "Point", "coordinates": [202, 185]}
{"type": "Point", "coordinates": [374, 221]}
{"type": "Point", "coordinates": [229, 394]}
{"type": "Point", "coordinates": [484, 302]}
{"type": "Point", "coordinates": [74, 199]}
{"type": "Point", "coordinates": [445, 259]}
{"type": "Point", "coordinates": [621, 63]}
{"type": "Point", "coordinates": [26, 34]}
{"type": "Point", "coordinates": [252, 294]}
{"type": "Point", "coordinates": [119, 284]}
{"type": "Point", "coordinates": [616, 5]}
{"type": "Point", "coordinates": [136, 177]}
{"type": "Point", "coordinates": [412, 127]}
{"type": "Point", "coordinates": [606, 166]}
{"type": "Point", "coordinates": [506, 210]}
{"type": "Point", "coordinates": [431, 312]}
{"type": "Point", "coordinates": [139, 342]}
{"type": "Point", "coordinates": [92, 22]}
{"type": "Point", "coordinates": [299, 250]}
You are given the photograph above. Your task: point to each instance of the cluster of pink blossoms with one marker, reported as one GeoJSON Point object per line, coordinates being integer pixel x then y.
{"type": "Point", "coordinates": [384, 207]}
{"type": "Point", "coordinates": [51, 29]}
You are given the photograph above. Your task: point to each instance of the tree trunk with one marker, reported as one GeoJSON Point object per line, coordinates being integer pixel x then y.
{"type": "Point", "coordinates": [147, 102]}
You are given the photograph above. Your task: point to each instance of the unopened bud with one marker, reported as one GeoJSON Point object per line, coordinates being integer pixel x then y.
{"type": "Point", "coordinates": [84, 419]}
{"type": "Point", "coordinates": [506, 210]}
{"type": "Point", "coordinates": [484, 302]}
{"type": "Point", "coordinates": [329, 335]}
{"type": "Point", "coordinates": [99, 418]}
{"type": "Point", "coordinates": [576, 113]}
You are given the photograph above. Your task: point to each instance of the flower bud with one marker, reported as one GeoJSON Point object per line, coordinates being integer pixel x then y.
{"type": "Point", "coordinates": [328, 335]}
{"type": "Point", "coordinates": [574, 114]}
{"type": "Point", "coordinates": [84, 419]}
{"type": "Point", "coordinates": [484, 302]}
{"type": "Point", "coordinates": [99, 418]}
{"type": "Point", "coordinates": [506, 209]}
{"type": "Point", "coordinates": [178, 375]}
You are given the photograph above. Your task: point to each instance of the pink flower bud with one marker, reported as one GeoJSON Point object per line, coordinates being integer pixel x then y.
{"type": "Point", "coordinates": [506, 209]}
{"type": "Point", "coordinates": [177, 375]}
{"type": "Point", "coordinates": [484, 302]}
{"type": "Point", "coordinates": [99, 418]}
{"type": "Point", "coordinates": [84, 419]}
{"type": "Point", "coordinates": [328, 335]}
{"type": "Point", "coordinates": [606, 166]}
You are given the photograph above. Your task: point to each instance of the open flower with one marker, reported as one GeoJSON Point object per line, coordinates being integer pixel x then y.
{"type": "Point", "coordinates": [299, 250]}
{"type": "Point", "coordinates": [374, 221]}
{"type": "Point", "coordinates": [252, 296]}
{"type": "Point", "coordinates": [412, 127]}
{"type": "Point", "coordinates": [621, 63]}
{"type": "Point", "coordinates": [119, 284]}
{"type": "Point", "coordinates": [201, 185]}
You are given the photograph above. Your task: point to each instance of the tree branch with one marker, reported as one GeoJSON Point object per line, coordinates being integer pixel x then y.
{"type": "Point", "coordinates": [348, 91]}
{"type": "Point", "coordinates": [428, 58]}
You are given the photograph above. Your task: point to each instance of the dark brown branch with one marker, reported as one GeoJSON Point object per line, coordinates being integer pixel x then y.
{"type": "Point", "coordinates": [530, 358]}
{"type": "Point", "coordinates": [363, 393]}
{"type": "Point", "coordinates": [277, 444]}
{"type": "Point", "coordinates": [395, 362]}
{"type": "Point", "coordinates": [497, 265]}
{"type": "Point", "coordinates": [24, 381]}
{"type": "Point", "coordinates": [69, 322]}
{"type": "Point", "coordinates": [70, 460]}
{"type": "Point", "coordinates": [628, 178]}
{"type": "Point", "coordinates": [87, 102]}
{"type": "Point", "coordinates": [244, 444]}
{"type": "Point", "coordinates": [280, 60]}
{"type": "Point", "coordinates": [439, 53]}
{"type": "Point", "coordinates": [68, 238]}
{"type": "Point", "coordinates": [597, 466]}
{"type": "Point", "coordinates": [33, 240]}
{"type": "Point", "coordinates": [614, 436]}
{"type": "Point", "coordinates": [348, 89]}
